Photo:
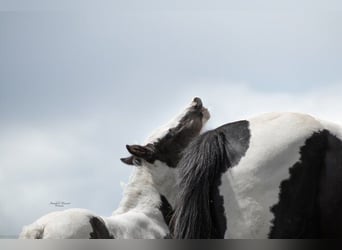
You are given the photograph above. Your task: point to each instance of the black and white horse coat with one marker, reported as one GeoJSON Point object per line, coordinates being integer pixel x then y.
{"type": "Point", "coordinates": [146, 207]}
{"type": "Point", "coordinates": [278, 175]}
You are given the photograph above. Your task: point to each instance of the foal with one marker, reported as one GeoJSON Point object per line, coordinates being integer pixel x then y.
{"type": "Point", "coordinates": [145, 209]}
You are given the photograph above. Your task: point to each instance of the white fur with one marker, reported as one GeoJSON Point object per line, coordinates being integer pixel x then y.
{"type": "Point", "coordinates": [164, 179]}
{"type": "Point", "coordinates": [66, 224]}
{"type": "Point", "coordinates": [252, 187]}
{"type": "Point", "coordinates": [138, 215]}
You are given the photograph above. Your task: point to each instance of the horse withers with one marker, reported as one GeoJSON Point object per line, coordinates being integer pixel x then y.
{"type": "Point", "coordinates": [278, 175]}
{"type": "Point", "coordinates": [145, 208]}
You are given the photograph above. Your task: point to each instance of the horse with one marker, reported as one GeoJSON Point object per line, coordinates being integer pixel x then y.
{"type": "Point", "coordinates": [146, 207]}
{"type": "Point", "coordinates": [276, 175]}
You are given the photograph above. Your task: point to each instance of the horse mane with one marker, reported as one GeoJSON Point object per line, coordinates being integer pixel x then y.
{"type": "Point", "coordinates": [199, 204]}
{"type": "Point", "coordinates": [200, 163]}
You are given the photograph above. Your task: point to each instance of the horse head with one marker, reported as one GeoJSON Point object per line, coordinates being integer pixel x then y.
{"type": "Point", "coordinates": [163, 150]}
{"type": "Point", "coordinates": [167, 143]}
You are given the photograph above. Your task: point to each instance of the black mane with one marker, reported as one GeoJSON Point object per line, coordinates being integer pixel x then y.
{"type": "Point", "coordinates": [199, 211]}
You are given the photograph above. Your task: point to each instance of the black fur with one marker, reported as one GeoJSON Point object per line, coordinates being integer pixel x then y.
{"type": "Point", "coordinates": [296, 214]}
{"type": "Point", "coordinates": [166, 209]}
{"type": "Point", "coordinates": [100, 230]}
{"type": "Point", "coordinates": [330, 195]}
{"type": "Point", "coordinates": [40, 235]}
{"type": "Point", "coordinates": [310, 201]}
{"type": "Point", "coordinates": [168, 149]}
{"type": "Point", "coordinates": [199, 211]}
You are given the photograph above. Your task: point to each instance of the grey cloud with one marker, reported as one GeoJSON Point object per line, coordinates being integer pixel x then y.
{"type": "Point", "coordinates": [54, 62]}
{"type": "Point", "coordinates": [174, 5]}
{"type": "Point", "coordinates": [76, 86]}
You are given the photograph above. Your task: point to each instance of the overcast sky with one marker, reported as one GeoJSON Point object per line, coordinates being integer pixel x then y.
{"type": "Point", "coordinates": [79, 81]}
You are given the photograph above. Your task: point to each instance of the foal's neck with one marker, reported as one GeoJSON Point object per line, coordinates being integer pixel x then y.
{"type": "Point", "coordinates": [140, 193]}
{"type": "Point", "coordinates": [164, 179]}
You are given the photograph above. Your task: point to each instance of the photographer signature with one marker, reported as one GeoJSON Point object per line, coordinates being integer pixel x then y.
{"type": "Point", "coordinates": [59, 203]}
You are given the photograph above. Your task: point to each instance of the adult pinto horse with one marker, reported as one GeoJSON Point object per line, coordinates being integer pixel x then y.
{"type": "Point", "coordinates": [146, 206]}
{"type": "Point", "coordinates": [278, 175]}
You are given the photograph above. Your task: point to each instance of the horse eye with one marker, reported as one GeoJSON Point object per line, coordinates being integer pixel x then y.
{"type": "Point", "coordinates": [137, 162]}
{"type": "Point", "coordinates": [171, 132]}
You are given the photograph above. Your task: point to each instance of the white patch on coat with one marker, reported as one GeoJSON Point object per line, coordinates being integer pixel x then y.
{"type": "Point", "coordinates": [66, 224]}
{"type": "Point", "coordinates": [139, 193]}
{"type": "Point", "coordinates": [164, 179]}
{"type": "Point", "coordinates": [136, 224]}
{"type": "Point", "coordinates": [138, 215]}
{"type": "Point", "coordinates": [251, 188]}
{"type": "Point", "coordinates": [334, 128]}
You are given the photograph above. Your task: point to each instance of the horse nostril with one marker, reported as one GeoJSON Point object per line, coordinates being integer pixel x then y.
{"type": "Point", "coordinates": [198, 103]}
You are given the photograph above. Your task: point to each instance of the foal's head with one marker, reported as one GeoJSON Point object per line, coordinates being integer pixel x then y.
{"type": "Point", "coordinates": [165, 146]}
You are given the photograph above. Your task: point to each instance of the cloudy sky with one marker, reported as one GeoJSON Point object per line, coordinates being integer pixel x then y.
{"type": "Point", "coordinates": [80, 79]}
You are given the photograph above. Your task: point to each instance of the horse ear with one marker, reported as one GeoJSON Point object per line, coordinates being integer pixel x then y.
{"type": "Point", "coordinates": [140, 151]}
{"type": "Point", "coordinates": [127, 160]}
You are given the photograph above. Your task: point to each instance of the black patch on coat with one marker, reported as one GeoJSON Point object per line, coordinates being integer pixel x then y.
{"type": "Point", "coordinates": [199, 211]}
{"type": "Point", "coordinates": [330, 195]}
{"type": "Point", "coordinates": [168, 149]}
{"type": "Point", "coordinates": [100, 231]}
{"type": "Point", "coordinates": [40, 235]}
{"type": "Point", "coordinates": [310, 201]}
{"type": "Point", "coordinates": [166, 209]}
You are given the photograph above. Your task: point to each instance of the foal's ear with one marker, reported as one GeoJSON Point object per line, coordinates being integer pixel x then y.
{"type": "Point", "coordinates": [127, 160]}
{"type": "Point", "coordinates": [140, 151]}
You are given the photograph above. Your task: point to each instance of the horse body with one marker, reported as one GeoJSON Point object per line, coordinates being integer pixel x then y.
{"type": "Point", "coordinates": [139, 216]}
{"type": "Point", "coordinates": [145, 210]}
{"type": "Point", "coordinates": [74, 223]}
{"type": "Point", "coordinates": [274, 147]}
{"type": "Point", "coordinates": [136, 223]}
{"type": "Point", "coordinates": [278, 175]}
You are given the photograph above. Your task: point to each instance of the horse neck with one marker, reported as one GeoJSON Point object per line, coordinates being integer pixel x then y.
{"type": "Point", "coordinates": [140, 193]}
{"type": "Point", "coordinates": [164, 179]}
